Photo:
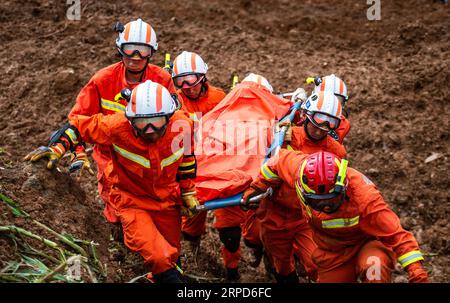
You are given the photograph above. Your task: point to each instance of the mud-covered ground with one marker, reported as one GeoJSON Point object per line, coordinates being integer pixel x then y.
{"type": "Point", "coordinates": [396, 69]}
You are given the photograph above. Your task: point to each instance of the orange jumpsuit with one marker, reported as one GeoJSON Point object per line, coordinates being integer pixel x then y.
{"type": "Point", "coordinates": [343, 129]}
{"type": "Point", "coordinates": [146, 182]}
{"type": "Point", "coordinates": [203, 104]}
{"type": "Point", "coordinates": [226, 217]}
{"type": "Point", "coordinates": [98, 97]}
{"type": "Point", "coordinates": [284, 230]}
{"type": "Point", "coordinates": [361, 239]}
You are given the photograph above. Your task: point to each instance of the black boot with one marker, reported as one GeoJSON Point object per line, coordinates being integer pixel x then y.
{"type": "Point", "coordinates": [270, 269]}
{"type": "Point", "coordinates": [291, 278]}
{"type": "Point", "coordinates": [117, 232]}
{"type": "Point", "coordinates": [169, 276]}
{"type": "Point", "coordinates": [257, 253]}
{"type": "Point", "coordinates": [233, 275]}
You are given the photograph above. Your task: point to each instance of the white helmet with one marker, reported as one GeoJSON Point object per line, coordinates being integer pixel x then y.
{"type": "Point", "coordinates": [188, 63]}
{"type": "Point", "coordinates": [136, 32]}
{"type": "Point", "coordinates": [150, 99]}
{"type": "Point", "coordinates": [334, 84]}
{"type": "Point", "coordinates": [150, 107]}
{"type": "Point", "coordinates": [258, 79]}
{"type": "Point", "coordinates": [323, 109]}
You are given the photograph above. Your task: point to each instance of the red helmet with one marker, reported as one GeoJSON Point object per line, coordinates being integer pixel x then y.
{"type": "Point", "coordinates": [321, 181]}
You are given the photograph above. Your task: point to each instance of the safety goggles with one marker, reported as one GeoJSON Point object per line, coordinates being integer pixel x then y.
{"type": "Point", "coordinates": [130, 49]}
{"type": "Point", "coordinates": [190, 80]}
{"type": "Point", "coordinates": [323, 121]}
{"type": "Point", "coordinates": [150, 125]}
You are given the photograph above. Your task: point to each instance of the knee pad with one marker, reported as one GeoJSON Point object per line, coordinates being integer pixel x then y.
{"type": "Point", "coordinates": [252, 245]}
{"type": "Point", "coordinates": [230, 237]}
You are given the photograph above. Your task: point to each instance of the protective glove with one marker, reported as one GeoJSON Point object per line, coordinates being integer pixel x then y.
{"type": "Point", "coordinates": [251, 192]}
{"type": "Point", "coordinates": [190, 203]}
{"type": "Point", "coordinates": [79, 162]}
{"type": "Point", "coordinates": [417, 273]}
{"type": "Point", "coordinates": [53, 153]}
{"type": "Point", "coordinates": [299, 95]}
{"type": "Point", "coordinates": [288, 133]}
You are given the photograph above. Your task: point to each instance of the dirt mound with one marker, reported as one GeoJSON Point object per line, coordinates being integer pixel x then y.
{"type": "Point", "coordinates": [396, 70]}
{"type": "Point", "coordinates": [56, 201]}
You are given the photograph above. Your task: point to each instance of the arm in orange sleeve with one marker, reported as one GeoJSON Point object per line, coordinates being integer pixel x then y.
{"type": "Point", "coordinates": [336, 148]}
{"type": "Point", "coordinates": [343, 129]}
{"type": "Point", "coordinates": [166, 79]}
{"type": "Point", "coordinates": [280, 168]}
{"type": "Point", "coordinates": [88, 101]}
{"type": "Point", "coordinates": [98, 128]}
{"type": "Point", "coordinates": [186, 173]}
{"type": "Point", "coordinates": [378, 220]}
{"type": "Point", "coordinates": [187, 170]}
{"type": "Point", "coordinates": [170, 87]}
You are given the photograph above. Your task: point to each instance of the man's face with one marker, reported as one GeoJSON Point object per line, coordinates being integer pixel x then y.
{"type": "Point", "coordinates": [327, 206]}
{"type": "Point", "coordinates": [151, 138]}
{"type": "Point", "coordinates": [150, 128]}
{"type": "Point", "coordinates": [315, 132]}
{"type": "Point", "coordinates": [134, 64]}
{"type": "Point", "coordinates": [192, 92]}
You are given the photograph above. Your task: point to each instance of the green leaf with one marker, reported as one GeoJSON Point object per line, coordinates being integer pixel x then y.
{"type": "Point", "coordinates": [13, 206]}
{"type": "Point", "coordinates": [36, 264]}
{"type": "Point", "coordinates": [69, 237]}
{"type": "Point", "coordinates": [11, 267]}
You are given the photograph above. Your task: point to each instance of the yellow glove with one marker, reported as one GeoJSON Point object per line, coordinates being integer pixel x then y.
{"type": "Point", "coordinates": [80, 162]}
{"type": "Point", "coordinates": [190, 203]}
{"type": "Point", "coordinates": [52, 153]}
{"type": "Point", "coordinates": [288, 133]}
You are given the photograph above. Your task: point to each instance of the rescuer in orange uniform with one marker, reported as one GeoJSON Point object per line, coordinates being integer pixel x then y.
{"type": "Point", "coordinates": [283, 229]}
{"type": "Point", "coordinates": [153, 171]}
{"type": "Point", "coordinates": [337, 86]}
{"type": "Point", "coordinates": [136, 44]}
{"type": "Point", "coordinates": [197, 98]}
{"type": "Point", "coordinates": [251, 225]}
{"type": "Point", "coordinates": [189, 76]}
{"type": "Point", "coordinates": [357, 234]}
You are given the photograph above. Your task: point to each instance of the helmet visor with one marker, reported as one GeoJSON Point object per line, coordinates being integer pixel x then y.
{"type": "Point", "coordinates": [130, 49]}
{"type": "Point", "coordinates": [150, 125]}
{"type": "Point", "coordinates": [189, 80]}
{"type": "Point", "coordinates": [324, 121]}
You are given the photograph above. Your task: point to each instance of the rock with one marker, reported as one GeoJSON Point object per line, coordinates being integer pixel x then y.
{"type": "Point", "coordinates": [400, 279]}
{"type": "Point", "coordinates": [368, 158]}
{"type": "Point", "coordinates": [32, 183]}
{"type": "Point", "coordinates": [433, 157]}
{"type": "Point", "coordinates": [373, 172]}
{"type": "Point", "coordinates": [65, 81]}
